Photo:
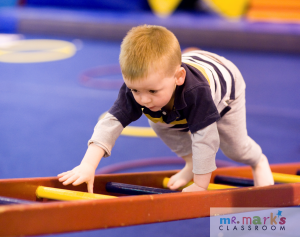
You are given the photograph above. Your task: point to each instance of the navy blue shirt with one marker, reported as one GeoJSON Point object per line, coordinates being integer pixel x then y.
{"type": "Point", "coordinates": [194, 108]}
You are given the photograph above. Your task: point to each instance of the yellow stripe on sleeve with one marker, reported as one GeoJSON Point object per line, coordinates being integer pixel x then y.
{"type": "Point", "coordinates": [201, 69]}
{"type": "Point", "coordinates": [160, 119]}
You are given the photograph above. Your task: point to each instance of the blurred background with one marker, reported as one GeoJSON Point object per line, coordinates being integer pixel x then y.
{"type": "Point", "coordinates": [59, 73]}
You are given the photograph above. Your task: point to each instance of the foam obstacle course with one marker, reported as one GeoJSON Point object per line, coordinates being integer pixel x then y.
{"type": "Point", "coordinates": [274, 11]}
{"type": "Point", "coordinates": [50, 216]}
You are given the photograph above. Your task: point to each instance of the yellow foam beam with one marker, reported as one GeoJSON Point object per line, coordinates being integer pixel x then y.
{"type": "Point", "coordinates": [286, 178]}
{"type": "Point", "coordinates": [211, 186]}
{"type": "Point", "coordinates": [67, 195]}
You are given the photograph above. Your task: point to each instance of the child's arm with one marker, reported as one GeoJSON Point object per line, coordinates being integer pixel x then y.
{"type": "Point", "coordinates": [105, 134]}
{"type": "Point", "coordinates": [201, 182]}
{"type": "Point", "coordinates": [108, 129]}
{"type": "Point", "coordinates": [205, 146]}
{"type": "Point", "coordinates": [84, 172]}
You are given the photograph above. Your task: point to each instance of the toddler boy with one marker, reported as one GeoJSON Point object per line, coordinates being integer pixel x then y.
{"type": "Point", "coordinates": [195, 103]}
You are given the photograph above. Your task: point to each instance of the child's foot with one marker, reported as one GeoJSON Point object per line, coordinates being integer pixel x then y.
{"type": "Point", "coordinates": [181, 178]}
{"type": "Point", "coordinates": [262, 174]}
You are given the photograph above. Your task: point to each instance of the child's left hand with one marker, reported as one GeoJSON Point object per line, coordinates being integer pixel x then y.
{"type": "Point", "coordinates": [193, 188]}
{"type": "Point", "coordinates": [201, 182]}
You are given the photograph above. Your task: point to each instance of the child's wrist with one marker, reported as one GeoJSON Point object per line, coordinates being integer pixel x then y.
{"type": "Point", "coordinates": [202, 186]}
{"type": "Point", "coordinates": [87, 163]}
{"type": "Point", "coordinates": [93, 156]}
{"type": "Point", "coordinates": [202, 180]}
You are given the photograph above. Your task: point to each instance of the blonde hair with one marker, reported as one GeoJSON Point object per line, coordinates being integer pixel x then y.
{"type": "Point", "coordinates": [148, 47]}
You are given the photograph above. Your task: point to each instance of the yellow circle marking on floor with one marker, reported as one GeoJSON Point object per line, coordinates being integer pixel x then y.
{"type": "Point", "coordinates": [135, 131]}
{"type": "Point", "coordinates": [34, 51]}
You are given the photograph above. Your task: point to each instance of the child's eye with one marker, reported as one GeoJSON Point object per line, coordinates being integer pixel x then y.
{"type": "Point", "coordinates": [152, 91]}
{"type": "Point", "coordinates": [133, 90]}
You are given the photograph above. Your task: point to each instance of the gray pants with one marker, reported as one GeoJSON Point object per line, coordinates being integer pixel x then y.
{"type": "Point", "coordinates": [234, 140]}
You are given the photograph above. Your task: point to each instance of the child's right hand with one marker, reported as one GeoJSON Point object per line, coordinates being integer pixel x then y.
{"type": "Point", "coordinates": [81, 173]}
{"type": "Point", "coordinates": [85, 172]}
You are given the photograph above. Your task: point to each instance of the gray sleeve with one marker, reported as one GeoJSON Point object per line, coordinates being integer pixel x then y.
{"type": "Point", "coordinates": [179, 142]}
{"type": "Point", "coordinates": [206, 143]}
{"type": "Point", "coordinates": [106, 132]}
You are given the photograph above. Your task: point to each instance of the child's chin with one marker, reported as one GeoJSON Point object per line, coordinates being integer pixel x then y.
{"type": "Point", "coordinates": [154, 109]}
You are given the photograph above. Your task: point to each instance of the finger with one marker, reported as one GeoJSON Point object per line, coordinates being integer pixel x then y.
{"type": "Point", "coordinates": [80, 180]}
{"type": "Point", "coordinates": [91, 186]}
{"type": "Point", "coordinates": [171, 182]}
{"type": "Point", "coordinates": [177, 184]}
{"type": "Point", "coordinates": [173, 187]}
{"type": "Point", "coordinates": [66, 176]}
{"type": "Point", "coordinates": [62, 174]}
{"type": "Point", "coordinates": [71, 179]}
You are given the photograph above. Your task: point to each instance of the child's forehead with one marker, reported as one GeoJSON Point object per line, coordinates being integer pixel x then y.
{"type": "Point", "coordinates": [154, 80]}
{"type": "Point", "coordinates": [143, 83]}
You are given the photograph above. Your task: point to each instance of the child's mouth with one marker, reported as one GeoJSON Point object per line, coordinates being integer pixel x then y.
{"type": "Point", "coordinates": [151, 108]}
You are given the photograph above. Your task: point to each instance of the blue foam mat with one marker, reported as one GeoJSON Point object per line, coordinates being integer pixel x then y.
{"type": "Point", "coordinates": [8, 20]}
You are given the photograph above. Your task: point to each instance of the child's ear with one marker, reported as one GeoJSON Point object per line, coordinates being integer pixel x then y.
{"type": "Point", "coordinates": [180, 76]}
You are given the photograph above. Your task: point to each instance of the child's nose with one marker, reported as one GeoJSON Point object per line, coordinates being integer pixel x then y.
{"type": "Point", "coordinates": [145, 99]}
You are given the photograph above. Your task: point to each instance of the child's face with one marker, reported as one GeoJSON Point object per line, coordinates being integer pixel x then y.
{"type": "Point", "coordinates": [156, 90]}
